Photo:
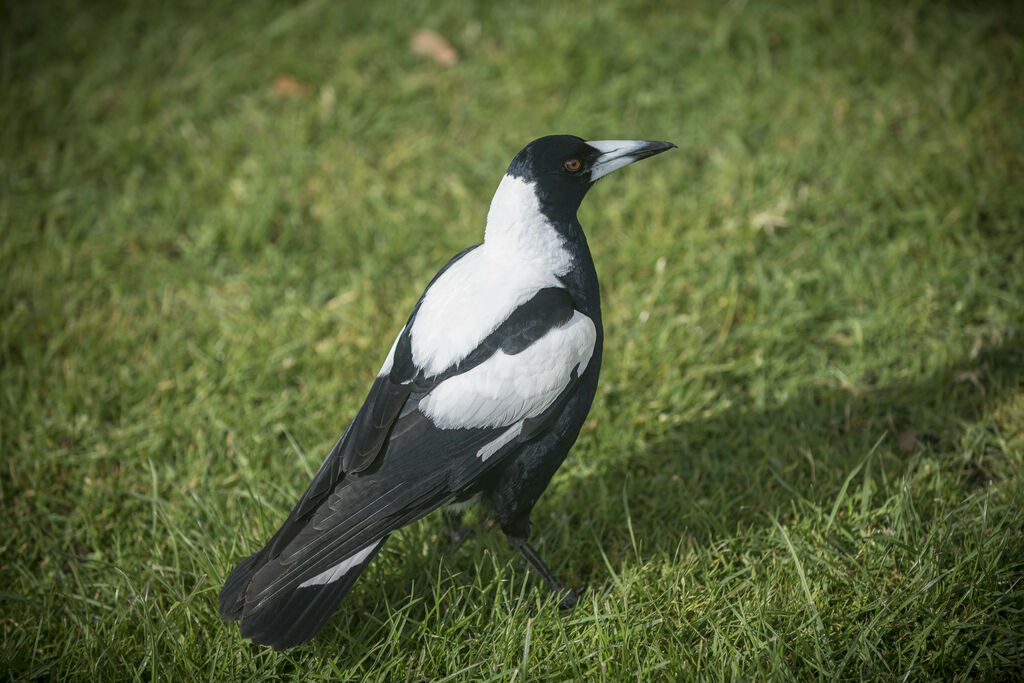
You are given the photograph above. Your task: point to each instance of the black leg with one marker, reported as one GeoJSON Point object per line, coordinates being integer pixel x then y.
{"type": "Point", "coordinates": [458, 533]}
{"type": "Point", "coordinates": [567, 597]}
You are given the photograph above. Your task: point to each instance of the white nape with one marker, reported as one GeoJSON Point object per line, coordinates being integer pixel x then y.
{"type": "Point", "coordinates": [508, 388]}
{"type": "Point", "coordinates": [521, 254]}
{"type": "Point", "coordinates": [518, 229]}
{"type": "Point", "coordinates": [339, 570]}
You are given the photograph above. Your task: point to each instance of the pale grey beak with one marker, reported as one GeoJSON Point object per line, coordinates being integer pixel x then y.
{"type": "Point", "coordinates": [618, 153]}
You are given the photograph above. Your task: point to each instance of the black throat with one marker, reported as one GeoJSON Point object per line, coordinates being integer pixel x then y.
{"type": "Point", "coordinates": [581, 280]}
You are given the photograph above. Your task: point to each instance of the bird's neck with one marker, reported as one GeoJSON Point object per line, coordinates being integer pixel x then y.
{"type": "Point", "coordinates": [518, 229]}
{"type": "Point", "coordinates": [522, 234]}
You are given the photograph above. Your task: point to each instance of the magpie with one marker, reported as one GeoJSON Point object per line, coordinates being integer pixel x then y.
{"type": "Point", "coordinates": [481, 396]}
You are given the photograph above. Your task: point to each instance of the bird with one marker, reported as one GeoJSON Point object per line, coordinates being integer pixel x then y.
{"type": "Point", "coordinates": [481, 396]}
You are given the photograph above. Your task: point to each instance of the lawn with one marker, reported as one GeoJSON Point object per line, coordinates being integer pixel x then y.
{"type": "Point", "coordinates": [805, 457]}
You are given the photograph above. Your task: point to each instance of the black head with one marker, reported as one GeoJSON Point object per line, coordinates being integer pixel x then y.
{"type": "Point", "coordinates": [564, 167]}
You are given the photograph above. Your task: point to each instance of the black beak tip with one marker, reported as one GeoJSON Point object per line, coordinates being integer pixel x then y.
{"type": "Point", "coordinates": [657, 147]}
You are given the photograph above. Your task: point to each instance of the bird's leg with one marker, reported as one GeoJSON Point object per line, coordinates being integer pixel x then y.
{"type": "Point", "coordinates": [567, 597]}
{"type": "Point", "coordinates": [458, 532]}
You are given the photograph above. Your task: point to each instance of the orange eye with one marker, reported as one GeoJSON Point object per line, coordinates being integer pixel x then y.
{"type": "Point", "coordinates": [573, 165]}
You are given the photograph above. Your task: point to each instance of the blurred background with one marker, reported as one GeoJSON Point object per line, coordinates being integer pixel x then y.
{"type": "Point", "coordinates": [804, 458]}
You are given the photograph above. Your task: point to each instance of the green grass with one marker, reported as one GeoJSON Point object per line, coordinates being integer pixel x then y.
{"type": "Point", "coordinates": [805, 456]}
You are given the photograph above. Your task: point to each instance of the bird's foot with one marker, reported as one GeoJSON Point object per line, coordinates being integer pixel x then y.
{"type": "Point", "coordinates": [568, 598]}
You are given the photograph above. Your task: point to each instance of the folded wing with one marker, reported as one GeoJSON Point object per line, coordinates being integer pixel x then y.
{"type": "Point", "coordinates": [417, 442]}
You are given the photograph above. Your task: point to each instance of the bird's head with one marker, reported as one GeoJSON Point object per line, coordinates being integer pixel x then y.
{"type": "Point", "coordinates": [563, 167]}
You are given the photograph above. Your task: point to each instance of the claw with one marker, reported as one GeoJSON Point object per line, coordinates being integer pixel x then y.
{"type": "Point", "coordinates": [571, 597]}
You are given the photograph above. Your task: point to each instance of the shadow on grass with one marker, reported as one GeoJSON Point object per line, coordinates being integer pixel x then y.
{"type": "Point", "coordinates": [709, 480]}
{"type": "Point", "coordinates": [714, 478]}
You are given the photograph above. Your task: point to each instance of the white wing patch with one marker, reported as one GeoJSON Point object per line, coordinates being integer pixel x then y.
{"type": "Point", "coordinates": [390, 360]}
{"type": "Point", "coordinates": [489, 449]}
{"type": "Point", "coordinates": [521, 254]}
{"type": "Point", "coordinates": [339, 570]}
{"type": "Point", "coordinates": [508, 388]}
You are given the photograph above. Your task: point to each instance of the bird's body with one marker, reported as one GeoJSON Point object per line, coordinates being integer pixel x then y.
{"type": "Point", "coordinates": [482, 394]}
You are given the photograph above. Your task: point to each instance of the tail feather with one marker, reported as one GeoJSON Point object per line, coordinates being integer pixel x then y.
{"type": "Point", "coordinates": [232, 595]}
{"type": "Point", "coordinates": [295, 616]}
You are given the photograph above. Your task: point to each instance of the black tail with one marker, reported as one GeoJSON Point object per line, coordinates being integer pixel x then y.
{"type": "Point", "coordinates": [232, 595]}
{"type": "Point", "coordinates": [293, 617]}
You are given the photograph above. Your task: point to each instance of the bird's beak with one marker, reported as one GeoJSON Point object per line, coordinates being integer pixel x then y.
{"type": "Point", "coordinates": [618, 153]}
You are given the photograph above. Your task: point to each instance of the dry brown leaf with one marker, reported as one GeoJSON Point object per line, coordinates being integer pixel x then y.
{"type": "Point", "coordinates": [972, 376]}
{"type": "Point", "coordinates": [432, 44]}
{"type": "Point", "coordinates": [290, 86]}
{"type": "Point", "coordinates": [906, 440]}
